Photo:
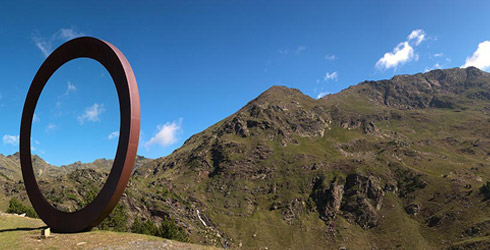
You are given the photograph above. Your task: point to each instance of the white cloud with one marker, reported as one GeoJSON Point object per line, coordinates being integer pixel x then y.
{"type": "Point", "coordinates": [418, 35]}
{"type": "Point", "coordinates": [436, 66]}
{"type": "Point", "coordinates": [438, 55]}
{"type": "Point", "coordinates": [329, 57]}
{"type": "Point", "coordinates": [331, 76]}
{"type": "Point", "coordinates": [43, 45]}
{"type": "Point", "coordinates": [480, 58]}
{"type": "Point", "coordinates": [46, 44]}
{"type": "Point", "coordinates": [91, 113]}
{"type": "Point", "coordinates": [70, 88]}
{"type": "Point", "coordinates": [300, 49]}
{"type": "Point", "coordinates": [167, 134]}
{"type": "Point", "coordinates": [322, 94]}
{"type": "Point", "coordinates": [283, 51]}
{"type": "Point", "coordinates": [36, 118]}
{"type": "Point", "coordinates": [113, 135]}
{"type": "Point", "coordinates": [11, 139]}
{"type": "Point", "coordinates": [69, 34]}
{"type": "Point", "coordinates": [50, 127]}
{"type": "Point", "coordinates": [404, 52]}
{"type": "Point", "coordinates": [296, 51]}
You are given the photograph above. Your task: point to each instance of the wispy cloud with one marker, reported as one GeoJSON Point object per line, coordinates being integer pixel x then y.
{"type": "Point", "coordinates": [69, 34]}
{"type": "Point", "coordinates": [283, 51]}
{"type": "Point", "coordinates": [91, 113]}
{"type": "Point", "coordinates": [43, 45]}
{"type": "Point", "coordinates": [300, 49]}
{"type": "Point", "coordinates": [331, 76]}
{"type": "Point", "coordinates": [166, 134]}
{"type": "Point", "coordinates": [46, 44]}
{"type": "Point", "coordinates": [11, 139]}
{"type": "Point", "coordinates": [480, 58]}
{"type": "Point", "coordinates": [36, 118]}
{"type": "Point", "coordinates": [69, 88]}
{"type": "Point", "coordinates": [50, 127]}
{"type": "Point", "coordinates": [404, 52]}
{"type": "Point", "coordinates": [435, 66]}
{"type": "Point", "coordinates": [417, 35]}
{"type": "Point", "coordinates": [113, 135]}
{"type": "Point", "coordinates": [322, 94]}
{"type": "Point", "coordinates": [330, 57]}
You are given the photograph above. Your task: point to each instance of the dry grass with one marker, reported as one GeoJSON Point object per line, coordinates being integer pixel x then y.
{"type": "Point", "coordinates": [24, 233]}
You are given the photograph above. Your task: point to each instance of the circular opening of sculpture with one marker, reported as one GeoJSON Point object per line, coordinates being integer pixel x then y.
{"type": "Point", "coordinates": [75, 131]}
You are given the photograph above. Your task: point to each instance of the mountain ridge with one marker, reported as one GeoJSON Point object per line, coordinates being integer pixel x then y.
{"type": "Point", "coordinates": [365, 168]}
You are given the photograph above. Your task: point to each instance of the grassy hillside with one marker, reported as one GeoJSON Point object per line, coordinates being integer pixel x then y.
{"type": "Point", "coordinates": [24, 233]}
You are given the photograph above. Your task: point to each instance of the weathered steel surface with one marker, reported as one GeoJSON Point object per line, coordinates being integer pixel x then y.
{"type": "Point", "coordinates": [129, 105]}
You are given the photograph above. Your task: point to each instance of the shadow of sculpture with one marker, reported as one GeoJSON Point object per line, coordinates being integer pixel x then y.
{"type": "Point", "coordinates": [21, 229]}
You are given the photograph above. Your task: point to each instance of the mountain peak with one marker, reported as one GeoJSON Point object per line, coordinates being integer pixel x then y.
{"type": "Point", "coordinates": [451, 75]}
{"type": "Point", "coordinates": [280, 90]}
{"type": "Point", "coordinates": [422, 90]}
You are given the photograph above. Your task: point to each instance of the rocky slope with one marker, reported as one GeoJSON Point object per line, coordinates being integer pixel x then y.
{"type": "Point", "coordinates": [383, 164]}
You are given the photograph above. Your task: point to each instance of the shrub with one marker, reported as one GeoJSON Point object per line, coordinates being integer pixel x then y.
{"type": "Point", "coordinates": [485, 190]}
{"type": "Point", "coordinates": [116, 221]}
{"type": "Point", "coordinates": [147, 227]}
{"type": "Point", "coordinates": [17, 207]}
{"type": "Point", "coordinates": [168, 229]}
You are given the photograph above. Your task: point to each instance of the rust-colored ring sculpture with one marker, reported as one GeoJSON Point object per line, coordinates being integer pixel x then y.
{"type": "Point", "coordinates": [122, 74]}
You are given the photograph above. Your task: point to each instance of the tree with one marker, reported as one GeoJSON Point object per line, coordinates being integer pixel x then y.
{"type": "Point", "coordinates": [170, 230]}
{"type": "Point", "coordinates": [485, 190]}
{"type": "Point", "coordinates": [147, 227]}
{"type": "Point", "coordinates": [17, 207]}
{"type": "Point", "coordinates": [116, 221]}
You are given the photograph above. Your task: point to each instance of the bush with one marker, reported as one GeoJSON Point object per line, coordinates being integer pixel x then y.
{"type": "Point", "coordinates": [116, 221]}
{"type": "Point", "coordinates": [485, 191]}
{"type": "Point", "coordinates": [147, 227]}
{"type": "Point", "coordinates": [17, 207]}
{"type": "Point", "coordinates": [168, 229]}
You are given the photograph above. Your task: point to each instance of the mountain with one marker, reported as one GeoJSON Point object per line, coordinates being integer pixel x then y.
{"type": "Point", "coordinates": [67, 187]}
{"type": "Point", "coordinates": [395, 163]}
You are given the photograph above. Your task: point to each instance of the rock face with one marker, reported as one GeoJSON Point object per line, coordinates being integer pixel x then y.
{"type": "Point", "coordinates": [363, 200]}
{"type": "Point", "coordinates": [328, 199]}
{"type": "Point", "coordinates": [383, 164]}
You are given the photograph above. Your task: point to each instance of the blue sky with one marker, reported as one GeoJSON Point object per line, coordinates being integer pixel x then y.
{"type": "Point", "coordinates": [197, 62]}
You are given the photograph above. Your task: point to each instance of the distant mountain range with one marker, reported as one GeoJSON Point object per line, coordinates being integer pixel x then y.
{"type": "Point", "coordinates": [383, 164]}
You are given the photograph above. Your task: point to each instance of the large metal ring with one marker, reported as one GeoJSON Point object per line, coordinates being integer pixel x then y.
{"type": "Point", "coordinates": [122, 74]}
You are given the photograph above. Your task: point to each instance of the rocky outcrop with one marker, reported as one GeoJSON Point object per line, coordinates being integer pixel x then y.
{"type": "Point", "coordinates": [363, 199]}
{"type": "Point", "coordinates": [358, 198]}
{"type": "Point", "coordinates": [328, 199]}
{"type": "Point", "coordinates": [412, 209]}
